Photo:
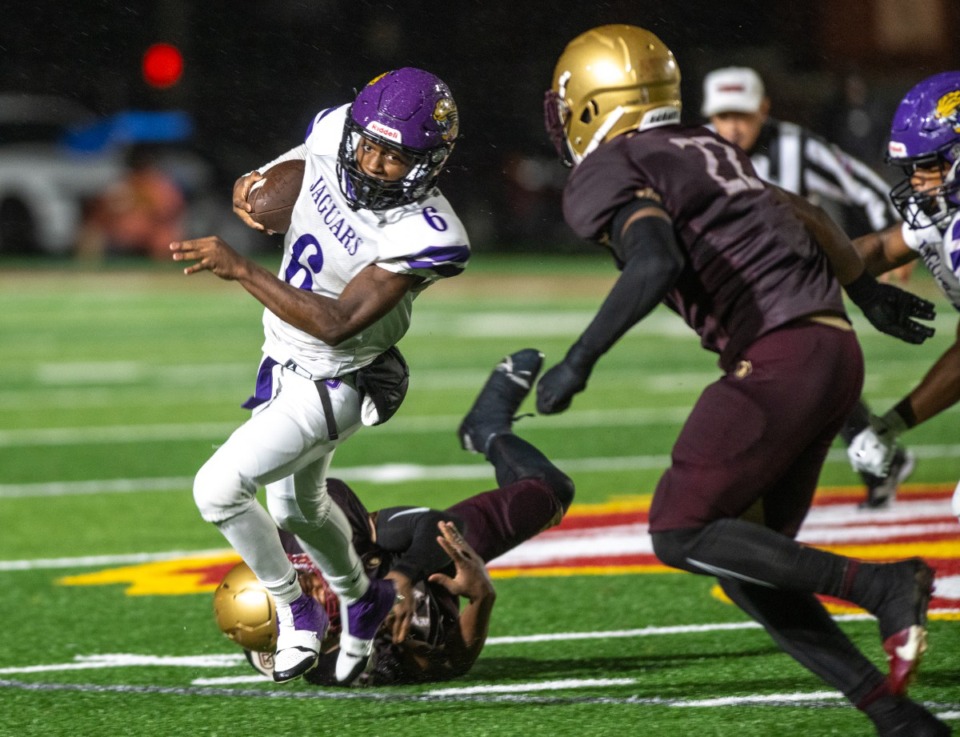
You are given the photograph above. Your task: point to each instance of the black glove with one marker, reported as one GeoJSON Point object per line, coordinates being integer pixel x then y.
{"type": "Point", "coordinates": [891, 309]}
{"type": "Point", "coordinates": [556, 388]}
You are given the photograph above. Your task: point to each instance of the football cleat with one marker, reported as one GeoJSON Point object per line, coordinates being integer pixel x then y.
{"type": "Point", "coordinates": [360, 621]}
{"type": "Point", "coordinates": [493, 410]}
{"type": "Point", "coordinates": [909, 719]}
{"type": "Point", "coordinates": [302, 627]}
{"type": "Point", "coordinates": [881, 490]}
{"type": "Point", "coordinates": [261, 662]}
{"type": "Point", "coordinates": [902, 618]}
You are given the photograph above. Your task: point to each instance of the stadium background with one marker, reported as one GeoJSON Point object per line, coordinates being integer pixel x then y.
{"type": "Point", "coordinates": [255, 73]}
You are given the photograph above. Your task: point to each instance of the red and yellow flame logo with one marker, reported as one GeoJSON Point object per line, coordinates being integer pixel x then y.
{"type": "Point", "coordinates": [612, 539]}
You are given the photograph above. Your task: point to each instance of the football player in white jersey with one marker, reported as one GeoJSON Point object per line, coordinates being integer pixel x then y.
{"type": "Point", "coordinates": [925, 142]}
{"type": "Point", "coordinates": [368, 233]}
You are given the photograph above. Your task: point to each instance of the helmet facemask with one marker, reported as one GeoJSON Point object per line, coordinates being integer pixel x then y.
{"type": "Point", "coordinates": [925, 134]}
{"type": "Point", "coordinates": [936, 204]}
{"type": "Point", "coordinates": [371, 193]}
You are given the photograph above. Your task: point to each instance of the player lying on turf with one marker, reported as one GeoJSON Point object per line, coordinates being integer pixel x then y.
{"type": "Point", "coordinates": [433, 557]}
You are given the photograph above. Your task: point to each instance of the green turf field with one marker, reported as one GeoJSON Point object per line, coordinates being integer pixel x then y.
{"type": "Point", "coordinates": [117, 384]}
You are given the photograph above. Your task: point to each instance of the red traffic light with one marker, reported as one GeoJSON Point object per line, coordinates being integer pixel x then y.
{"type": "Point", "coordinates": [162, 65]}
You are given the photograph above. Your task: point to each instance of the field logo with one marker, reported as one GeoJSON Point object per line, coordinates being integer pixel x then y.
{"type": "Point", "coordinates": [613, 539]}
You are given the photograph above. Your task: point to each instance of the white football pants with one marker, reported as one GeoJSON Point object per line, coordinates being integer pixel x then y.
{"type": "Point", "coordinates": [285, 446]}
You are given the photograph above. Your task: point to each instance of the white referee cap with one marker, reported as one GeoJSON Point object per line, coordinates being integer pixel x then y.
{"type": "Point", "coordinates": [732, 90]}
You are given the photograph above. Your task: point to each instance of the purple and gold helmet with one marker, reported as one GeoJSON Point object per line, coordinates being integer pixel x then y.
{"type": "Point", "coordinates": [926, 133]}
{"type": "Point", "coordinates": [406, 109]}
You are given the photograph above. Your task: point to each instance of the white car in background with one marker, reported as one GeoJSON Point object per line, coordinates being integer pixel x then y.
{"type": "Point", "coordinates": [56, 156]}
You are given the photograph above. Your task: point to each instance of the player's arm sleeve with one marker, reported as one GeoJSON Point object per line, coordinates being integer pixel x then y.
{"type": "Point", "coordinates": [411, 534]}
{"type": "Point", "coordinates": [432, 244]}
{"type": "Point", "coordinates": [432, 262]}
{"type": "Point", "coordinates": [651, 260]}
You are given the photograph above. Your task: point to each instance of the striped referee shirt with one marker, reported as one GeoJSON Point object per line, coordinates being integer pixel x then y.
{"type": "Point", "coordinates": [802, 162]}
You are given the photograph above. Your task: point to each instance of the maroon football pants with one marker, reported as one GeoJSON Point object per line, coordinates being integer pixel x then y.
{"type": "Point", "coordinates": [757, 438]}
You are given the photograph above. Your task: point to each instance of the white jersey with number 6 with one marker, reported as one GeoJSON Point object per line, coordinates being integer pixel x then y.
{"type": "Point", "coordinates": [329, 243]}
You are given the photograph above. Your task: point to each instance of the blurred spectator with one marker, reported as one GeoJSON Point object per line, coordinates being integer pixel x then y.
{"type": "Point", "coordinates": [138, 216]}
{"type": "Point", "coordinates": [855, 120]}
{"type": "Point", "coordinates": [531, 187]}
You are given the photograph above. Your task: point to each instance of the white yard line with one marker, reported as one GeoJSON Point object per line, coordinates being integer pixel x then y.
{"type": "Point", "coordinates": [87, 435]}
{"type": "Point", "coordinates": [392, 473]}
{"type": "Point", "coordinates": [97, 561]}
{"type": "Point", "coordinates": [133, 660]}
{"type": "Point", "coordinates": [557, 685]}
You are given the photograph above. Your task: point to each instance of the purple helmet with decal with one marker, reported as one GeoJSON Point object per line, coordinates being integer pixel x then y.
{"type": "Point", "coordinates": [925, 133]}
{"type": "Point", "coordinates": [406, 109]}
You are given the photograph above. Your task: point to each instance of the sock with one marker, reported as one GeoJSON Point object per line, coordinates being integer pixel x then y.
{"type": "Point", "coordinates": [285, 591]}
{"type": "Point", "coordinates": [253, 534]}
{"type": "Point", "coordinates": [513, 459]}
{"type": "Point", "coordinates": [329, 543]}
{"type": "Point", "coordinates": [733, 548]}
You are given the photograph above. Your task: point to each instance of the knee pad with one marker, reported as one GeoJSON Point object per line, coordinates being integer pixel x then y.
{"type": "Point", "coordinates": [290, 516]}
{"type": "Point", "coordinates": [220, 493]}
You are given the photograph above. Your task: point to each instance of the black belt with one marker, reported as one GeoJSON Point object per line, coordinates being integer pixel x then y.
{"type": "Point", "coordinates": [324, 393]}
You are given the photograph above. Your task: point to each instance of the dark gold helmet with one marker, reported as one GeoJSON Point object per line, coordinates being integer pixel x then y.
{"type": "Point", "coordinates": [245, 610]}
{"type": "Point", "coordinates": [610, 80]}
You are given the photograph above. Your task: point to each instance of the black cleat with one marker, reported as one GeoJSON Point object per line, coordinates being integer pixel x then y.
{"type": "Point", "coordinates": [493, 410]}
{"type": "Point", "coordinates": [909, 719]}
{"type": "Point", "coordinates": [902, 617]}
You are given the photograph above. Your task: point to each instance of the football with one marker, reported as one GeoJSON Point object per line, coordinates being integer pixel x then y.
{"type": "Point", "coordinates": [245, 611]}
{"type": "Point", "coordinates": [273, 197]}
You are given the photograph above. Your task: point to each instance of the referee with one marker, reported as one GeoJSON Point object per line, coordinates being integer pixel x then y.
{"type": "Point", "coordinates": [802, 162]}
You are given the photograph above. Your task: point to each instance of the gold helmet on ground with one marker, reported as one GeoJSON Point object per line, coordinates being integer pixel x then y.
{"type": "Point", "coordinates": [245, 610]}
{"type": "Point", "coordinates": [610, 80]}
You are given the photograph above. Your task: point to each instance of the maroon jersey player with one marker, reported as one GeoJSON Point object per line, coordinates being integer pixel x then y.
{"type": "Point", "coordinates": [756, 272]}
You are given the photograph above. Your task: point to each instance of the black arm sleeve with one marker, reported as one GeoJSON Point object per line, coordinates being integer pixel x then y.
{"type": "Point", "coordinates": [651, 264]}
{"type": "Point", "coordinates": [411, 534]}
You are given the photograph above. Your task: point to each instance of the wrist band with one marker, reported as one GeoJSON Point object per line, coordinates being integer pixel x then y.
{"type": "Point", "coordinates": [901, 417]}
